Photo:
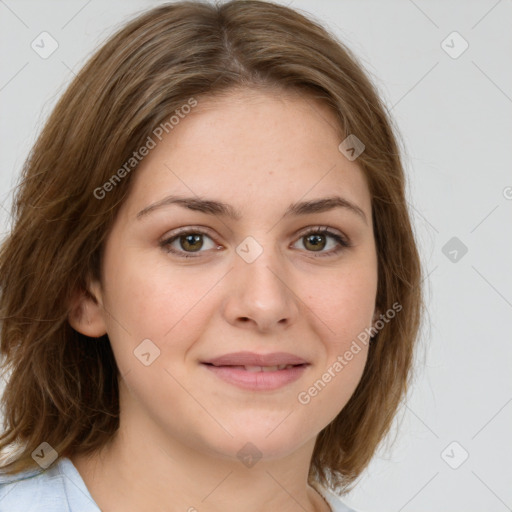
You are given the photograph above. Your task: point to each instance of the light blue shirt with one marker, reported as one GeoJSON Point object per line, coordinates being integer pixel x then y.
{"type": "Point", "coordinates": [60, 488]}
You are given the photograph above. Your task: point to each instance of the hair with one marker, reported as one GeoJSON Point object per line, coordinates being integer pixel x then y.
{"type": "Point", "coordinates": [63, 386]}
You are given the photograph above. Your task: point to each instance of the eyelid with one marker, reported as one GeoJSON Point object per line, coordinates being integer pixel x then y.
{"type": "Point", "coordinates": [187, 229]}
{"type": "Point", "coordinates": [320, 229]}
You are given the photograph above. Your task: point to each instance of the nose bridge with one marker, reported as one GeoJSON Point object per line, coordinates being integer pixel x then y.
{"type": "Point", "coordinates": [259, 266]}
{"type": "Point", "coordinates": [262, 288]}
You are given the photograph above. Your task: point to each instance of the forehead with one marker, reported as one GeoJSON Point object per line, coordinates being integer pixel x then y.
{"type": "Point", "coordinates": [248, 148]}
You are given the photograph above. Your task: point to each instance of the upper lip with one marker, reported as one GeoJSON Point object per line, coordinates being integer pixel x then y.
{"type": "Point", "coordinates": [254, 359]}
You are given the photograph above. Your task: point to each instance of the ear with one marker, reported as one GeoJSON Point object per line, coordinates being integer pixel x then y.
{"type": "Point", "coordinates": [86, 312]}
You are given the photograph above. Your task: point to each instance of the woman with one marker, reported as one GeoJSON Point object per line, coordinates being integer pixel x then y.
{"type": "Point", "coordinates": [211, 291]}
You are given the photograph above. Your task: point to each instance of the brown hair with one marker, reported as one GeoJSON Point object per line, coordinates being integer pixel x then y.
{"type": "Point", "coordinates": [62, 387]}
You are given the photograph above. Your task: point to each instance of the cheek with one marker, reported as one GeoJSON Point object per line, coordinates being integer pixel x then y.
{"type": "Point", "coordinates": [342, 307]}
{"type": "Point", "coordinates": [331, 389]}
{"type": "Point", "coordinates": [155, 299]}
{"type": "Point", "coordinates": [344, 303]}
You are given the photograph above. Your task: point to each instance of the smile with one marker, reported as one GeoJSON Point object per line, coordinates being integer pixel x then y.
{"type": "Point", "coordinates": [258, 378]}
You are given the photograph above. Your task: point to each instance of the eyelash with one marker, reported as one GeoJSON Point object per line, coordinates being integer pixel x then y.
{"type": "Point", "coordinates": [343, 243]}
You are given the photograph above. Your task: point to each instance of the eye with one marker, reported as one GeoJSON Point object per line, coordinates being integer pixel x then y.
{"type": "Point", "coordinates": [189, 241]}
{"type": "Point", "coordinates": [317, 239]}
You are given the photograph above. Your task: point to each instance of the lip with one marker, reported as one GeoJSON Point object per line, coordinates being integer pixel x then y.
{"type": "Point", "coordinates": [228, 368]}
{"type": "Point", "coordinates": [254, 359]}
{"type": "Point", "coordinates": [257, 381]}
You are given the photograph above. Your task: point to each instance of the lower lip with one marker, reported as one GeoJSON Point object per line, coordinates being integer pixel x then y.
{"type": "Point", "coordinates": [257, 381]}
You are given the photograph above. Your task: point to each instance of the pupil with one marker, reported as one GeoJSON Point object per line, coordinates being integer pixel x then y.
{"type": "Point", "coordinates": [317, 241]}
{"type": "Point", "coordinates": [190, 240]}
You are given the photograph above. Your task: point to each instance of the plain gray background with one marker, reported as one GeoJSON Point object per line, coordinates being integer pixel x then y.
{"type": "Point", "coordinates": [453, 110]}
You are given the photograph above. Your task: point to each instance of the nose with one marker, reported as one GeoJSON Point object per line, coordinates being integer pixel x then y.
{"type": "Point", "coordinates": [261, 294]}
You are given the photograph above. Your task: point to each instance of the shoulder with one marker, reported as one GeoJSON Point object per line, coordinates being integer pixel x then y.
{"type": "Point", "coordinates": [334, 501]}
{"type": "Point", "coordinates": [59, 488]}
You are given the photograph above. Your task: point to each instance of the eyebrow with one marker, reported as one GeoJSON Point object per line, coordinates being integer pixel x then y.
{"type": "Point", "coordinates": [219, 208]}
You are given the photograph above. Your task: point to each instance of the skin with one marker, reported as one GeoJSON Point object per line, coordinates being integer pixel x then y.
{"type": "Point", "coordinates": [181, 426]}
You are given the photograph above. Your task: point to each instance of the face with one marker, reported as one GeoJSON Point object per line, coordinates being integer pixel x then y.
{"type": "Point", "coordinates": [245, 262]}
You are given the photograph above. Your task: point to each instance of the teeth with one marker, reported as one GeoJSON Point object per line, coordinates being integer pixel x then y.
{"type": "Point", "coordinates": [267, 368]}
{"type": "Point", "coordinates": [253, 368]}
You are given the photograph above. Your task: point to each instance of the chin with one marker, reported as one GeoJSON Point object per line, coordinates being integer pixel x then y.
{"type": "Point", "coordinates": [249, 450]}
{"type": "Point", "coordinates": [259, 441]}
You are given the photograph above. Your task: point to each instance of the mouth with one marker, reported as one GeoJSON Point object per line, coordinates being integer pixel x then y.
{"type": "Point", "coordinates": [257, 360]}
{"type": "Point", "coordinates": [257, 378]}
{"type": "Point", "coordinates": [255, 369]}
